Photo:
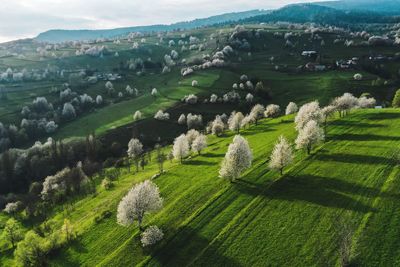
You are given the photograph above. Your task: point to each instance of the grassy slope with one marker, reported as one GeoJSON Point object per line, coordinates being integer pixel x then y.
{"type": "Point", "coordinates": [293, 220]}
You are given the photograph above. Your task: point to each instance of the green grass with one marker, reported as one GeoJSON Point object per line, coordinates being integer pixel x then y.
{"type": "Point", "coordinates": [260, 219]}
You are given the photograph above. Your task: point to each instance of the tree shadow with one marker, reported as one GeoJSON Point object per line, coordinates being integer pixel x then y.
{"type": "Point", "coordinates": [211, 155]}
{"type": "Point", "coordinates": [198, 162]}
{"type": "Point", "coordinates": [363, 137]}
{"type": "Point", "coordinates": [356, 124]}
{"type": "Point", "coordinates": [252, 131]}
{"type": "Point", "coordinates": [382, 116]}
{"type": "Point", "coordinates": [185, 248]}
{"type": "Point", "coordinates": [323, 191]}
{"type": "Point", "coordinates": [356, 159]}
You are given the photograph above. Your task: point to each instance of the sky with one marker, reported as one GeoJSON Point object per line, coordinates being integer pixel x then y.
{"type": "Point", "coordinates": [28, 18]}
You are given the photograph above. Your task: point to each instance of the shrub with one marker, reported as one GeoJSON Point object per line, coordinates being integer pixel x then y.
{"type": "Point", "coordinates": [106, 184]}
{"type": "Point", "coordinates": [151, 236]}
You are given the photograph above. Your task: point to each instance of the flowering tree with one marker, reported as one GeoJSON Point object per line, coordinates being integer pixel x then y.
{"type": "Point", "coordinates": [237, 159]}
{"type": "Point", "coordinates": [308, 112]}
{"type": "Point", "coordinates": [235, 121]}
{"type": "Point", "coordinates": [135, 150]}
{"type": "Point", "coordinates": [151, 236]}
{"type": "Point", "coordinates": [257, 112]}
{"type": "Point", "coordinates": [281, 156]}
{"type": "Point", "coordinates": [291, 108]}
{"type": "Point", "coordinates": [218, 126]}
{"type": "Point", "coordinates": [272, 111]}
{"type": "Point", "coordinates": [199, 143]}
{"type": "Point", "coordinates": [137, 116]}
{"type": "Point", "coordinates": [181, 147]}
{"type": "Point", "coordinates": [141, 199]}
{"type": "Point", "coordinates": [309, 135]}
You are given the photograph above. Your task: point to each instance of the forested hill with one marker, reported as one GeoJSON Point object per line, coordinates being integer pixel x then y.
{"type": "Point", "coordinates": [302, 13]}
{"type": "Point", "coordinates": [386, 6]}
{"type": "Point", "coordinates": [71, 35]}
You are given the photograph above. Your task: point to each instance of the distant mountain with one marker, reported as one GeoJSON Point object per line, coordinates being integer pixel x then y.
{"type": "Point", "coordinates": [382, 6]}
{"type": "Point", "coordinates": [72, 35]}
{"type": "Point", "coordinates": [301, 13]}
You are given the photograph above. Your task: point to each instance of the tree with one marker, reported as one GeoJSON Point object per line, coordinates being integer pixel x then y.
{"type": "Point", "coordinates": [151, 236]}
{"type": "Point", "coordinates": [249, 98]}
{"type": "Point", "coordinates": [137, 116]}
{"type": "Point", "coordinates": [199, 143]}
{"type": "Point", "coordinates": [32, 250]}
{"type": "Point", "coordinates": [218, 126]}
{"type": "Point", "coordinates": [68, 229]}
{"type": "Point", "coordinates": [257, 112]}
{"type": "Point", "coordinates": [68, 111]}
{"type": "Point", "coordinates": [194, 121]}
{"type": "Point", "coordinates": [135, 149]}
{"type": "Point", "coordinates": [154, 92]}
{"type": "Point", "coordinates": [327, 112]}
{"type": "Point", "coordinates": [237, 159]}
{"type": "Point", "coordinates": [54, 186]}
{"type": "Point", "coordinates": [308, 112]}
{"type": "Point", "coordinates": [191, 135]}
{"type": "Point", "coordinates": [235, 121]}
{"type": "Point", "coordinates": [396, 99]}
{"type": "Point", "coordinates": [291, 108]}
{"type": "Point", "coordinates": [345, 103]}
{"type": "Point", "coordinates": [160, 157]}
{"type": "Point", "coordinates": [13, 231]}
{"type": "Point", "coordinates": [281, 155]}
{"type": "Point", "coordinates": [366, 102]}
{"type": "Point", "coordinates": [272, 111]}
{"type": "Point", "coordinates": [181, 147]}
{"type": "Point", "coordinates": [13, 207]}
{"type": "Point", "coordinates": [161, 116]}
{"type": "Point", "coordinates": [109, 86]}
{"type": "Point", "coordinates": [182, 119]}
{"type": "Point", "coordinates": [308, 136]}
{"type": "Point", "coordinates": [141, 199]}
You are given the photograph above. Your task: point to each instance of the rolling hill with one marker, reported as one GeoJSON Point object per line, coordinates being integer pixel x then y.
{"type": "Point", "coordinates": [384, 6]}
{"type": "Point", "coordinates": [72, 35]}
{"type": "Point", "coordinates": [208, 221]}
{"type": "Point", "coordinates": [302, 13]}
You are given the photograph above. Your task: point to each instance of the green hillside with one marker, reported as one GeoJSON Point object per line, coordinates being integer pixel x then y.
{"type": "Point", "coordinates": [289, 221]}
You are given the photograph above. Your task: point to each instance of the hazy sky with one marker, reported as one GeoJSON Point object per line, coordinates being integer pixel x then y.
{"type": "Point", "coordinates": [27, 18]}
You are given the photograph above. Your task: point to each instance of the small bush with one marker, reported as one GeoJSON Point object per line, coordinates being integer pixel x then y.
{"type": "Point", "coordinates": [103, 215]}
{"type": "Point", "coordinates": [151, 236]}
{"type": "Point", "coordinates": [106, 184]}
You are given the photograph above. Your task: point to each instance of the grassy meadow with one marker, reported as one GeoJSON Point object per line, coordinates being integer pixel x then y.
{"type": "Point", "coordinates": [209, 221]}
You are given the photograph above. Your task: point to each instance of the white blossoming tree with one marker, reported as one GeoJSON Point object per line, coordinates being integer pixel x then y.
{"type": "Point", "coordinates": [135, 150]}
{"type": "Point", "coordinates": [310, 135]}
{"type": "Point", "coordinates": [235, 121]}
{"type": "Point", "coordinates": [182, 119]}
{"type": "Point", "coordinates": [291, 108]}
{"type": "Point", "coordinates": [180, 150]}
{"type": "Point", "coordinates": [308, 112]}
{"type": "Point", "coordinates": [237, 159]}
{"type": "Point", "coordinates": [199, 143]}
{"type": "Point", "coordinates": [257, 112]}
{"type": "Point", "coordinates": [141, 199]}
{"type": "Point", "coordinates": [272, 111]}
{"type": "Point", "coordinates": [218, 126]}
{"type": "Point", "coordinates": [281, 156]}
{"type": "Point", "coordinates": [137, 115]}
